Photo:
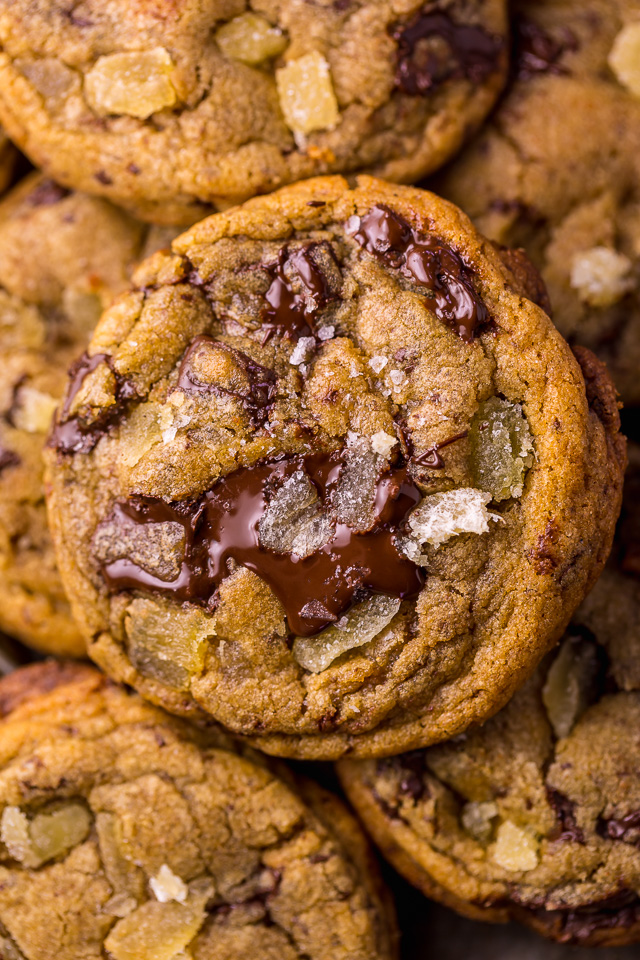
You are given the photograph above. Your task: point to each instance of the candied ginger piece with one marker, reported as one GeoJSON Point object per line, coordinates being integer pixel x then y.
{"type": "Point", "coordinates": [14, 833]}
{"type": "Point", "coordinates": [167, 886]}
{"type": "Point", "coordinates": [363, 622]}
{"type": "Point", "coordinates": [569, 683]}
{"type": "Point", "coordinates": [383, 443]}
{"type": "Point", "coordinates": [601, 276]}
{"type": "Point", "coordinates": [33, 410]}
{"type": "Point", "coordinates": [156, 931]}
{"type": "Point", "coordinates": [135, 84]}
{"type": "Point", "coordinates": [440, 516]}
{"type": "Point", "coordinates": [306, 93]}
{"type": "Point", "coordinates": [624, 58]}
{"type": "Point", "coordinates": [293, 521]}
{"type": "Point", "coordinates": [515, 849]}
{"type": "Point", "coordinates": [167, 644]}
{"type": "Point", "coordinates": [501, 448]}
{"type": "Point", "coordinates": [251, 39]}
{"type": "Point", "coordinates": [477, 819]}
{"type": "Point", "coordinates": [354, 496]}
{"type": "Point", "coordinates": [60, 830]}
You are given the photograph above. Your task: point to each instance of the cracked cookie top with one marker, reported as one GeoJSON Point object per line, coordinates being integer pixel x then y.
{"type": "Point", "coordinates": [168, 108]}
{"type": "Point", "coordinates": [127, 834]}
{"type": "Point", "coordinates": [63, 258]}
{"type": "Point", "coordinates": [536, 814]}
{"type": "Point", "coordinates": [327, 474]}
{"type": "Point", "coordinates": [556, 170]}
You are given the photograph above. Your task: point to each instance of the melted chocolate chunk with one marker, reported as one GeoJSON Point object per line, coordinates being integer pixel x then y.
{"type": "Point", "coordinates": [222, 525]}
{"type": "Point", "coordinates": [262, 382]}
{"type": "Point", "coordinates": [625, 828]}
{"type": "Point", "coordinates": [431, 458]}
{"type": "Point", "coordinates": [473, 53]}
{"type": "Point", "coordinates": [426, 261]}
{"type": "Point", "coordinates": [299, 288]}
{"type": "Point", "coordinates": [579, 925]}
{"type": "Point", "coordinates": [568, 828]}
{"type": "Point", "coordinates": [536, 51]}
{"type": "Point", "coordinates": [8, 458]}
{"type": "Point", "coordinates": [72, 436]}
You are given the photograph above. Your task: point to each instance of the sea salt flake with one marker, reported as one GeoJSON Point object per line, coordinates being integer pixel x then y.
{"type": "Point", "coordinates": [378, 363]}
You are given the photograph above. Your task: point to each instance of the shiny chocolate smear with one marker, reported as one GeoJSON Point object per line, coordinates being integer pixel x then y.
{"type": "Point", "coordinates": [536, 51]}
{"type": "Point", "coordinates": [222, 526]}
{"type": "Point", "coordinates": [290, 313]}
{"type": "Point", "coordinates": [426, 261]}
{"type": "Point", "coordinates": [73, 436]}
{"type": "Point", "coordinates": [474, 53]}
{"type": "Point", "coordinates": [262, 381]}
{"type": "Point", "coordinates": [578, 925]}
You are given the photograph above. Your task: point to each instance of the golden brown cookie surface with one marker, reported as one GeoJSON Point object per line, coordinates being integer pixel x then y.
{"type": "Point", "coordinates": [128, 834]}
{"type": "Point", "coordinates": [556, 170]}
{"type": "Point", "coordinates": [535, 815]}
{"type": "Point", "coordinates": [171, 108]}
{"type": "Point", "coordinates": [328, 477]}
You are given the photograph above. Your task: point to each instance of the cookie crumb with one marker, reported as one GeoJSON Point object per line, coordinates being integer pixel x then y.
{"type": "Point", "coordinates": [167, 886]}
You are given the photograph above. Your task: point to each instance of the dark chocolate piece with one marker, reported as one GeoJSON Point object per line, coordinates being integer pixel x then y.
{"type": "Point", "coordinates": [46, 193]}
{"type": "Point", "coordinates": [8, 458]}
{"type": "Point", "coordinates": [536, 51]}
{"type": "Point", "coordinates": [427, 261]}
{"type": "Point", "coordinates": [292, 306]}
{"type": "Point", "coordinates": [262, 381]}
{"type": "Point", "coordinates": [568, 828]}
{"type": "Point", "coordinates": [223, 524]}
{"type": "Point", "coordinates": [72, 436]}
{"type": "Point", "coordinates": [579, 925]}
{"type": "Point", "coordinates": [626, 828]}
{"type": "Point", "coordinates": [473, 53]}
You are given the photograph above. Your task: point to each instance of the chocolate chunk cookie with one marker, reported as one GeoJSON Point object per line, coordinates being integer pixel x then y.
{"type": "Point", "coordinates": [168, 109]}
{"type": "Point", "coordinates": [327, 475]}
{"type": "Point", "coordinates": [536, 815]}
{"type": "Point", "coordinates": [127, 834]}
{"type": "Point", "coordinates": [557, 171]}
{"type": "Point", "coordinates": [63, 257]}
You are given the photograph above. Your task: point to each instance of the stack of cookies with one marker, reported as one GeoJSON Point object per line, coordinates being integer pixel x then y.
{"type": "Point", "coordinates": [313, 467]}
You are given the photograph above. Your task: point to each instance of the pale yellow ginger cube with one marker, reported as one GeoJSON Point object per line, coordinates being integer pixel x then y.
{"type": "Point", "coordinates": [45, 837]}
{"type": "Point", "coordinates": [307, 97]}
{"type": "Point", "coordinates": [601, 276]}
{"type": "Point", "coordinates": [135, 84]}
{"type": "Point", "coordinates": [251, 39]}
{"type": "Point", "coordinates": [441, 516]}
{"type": "Point", "coordinates": [383, 443]}
{"type": "Point", "coordinates": [156, 931]}
{"type": "Point", "coordinates": [34, 410]}
{"type": "Point", "coordinates": [515, 849]}
{"type": "Point", "coordinates": [568, 685]}
{"type": "Point", "coordinates": [624, 58]}
{"type": "Point", "coordinates": [167, 644]}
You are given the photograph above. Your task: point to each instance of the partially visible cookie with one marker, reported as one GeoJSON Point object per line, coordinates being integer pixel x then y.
{"type": "Point", "coordinates": [130, 835]}
{"type": "Point", "coordinates": [557, 170]}
{"type": "Point", "coordinates": [327, 474]}
{"type": "Point", "coordinates": [169, 109]}
{"type": "Point", "coordinates": [536, 815]}
{"type": "Point", "coordinates": [63, 258]}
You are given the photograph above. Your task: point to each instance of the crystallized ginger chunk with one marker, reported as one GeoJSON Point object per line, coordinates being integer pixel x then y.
{"type": "Point", "coordinates": [135, 84]}
{"type": "Point", "coordinates": [306, 94]}
{"type": "Point", "coordinates": [251, 39]}
{"type": "Point", "coordinates": [501, 448]}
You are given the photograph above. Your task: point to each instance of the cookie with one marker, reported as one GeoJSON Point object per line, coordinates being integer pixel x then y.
{"type": "Point", "coordinates": [557, 171]}
{"type": "Point", "coordinates": [168, 110]}
{"type": "Point", "coordinates": [327, 476]}
{"type": "Point", "coordinates": [534, 816]}
{"type": "Point", "coordinates": [128, 834]}
{"type": "Point", "coordinates": [63, 258]}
